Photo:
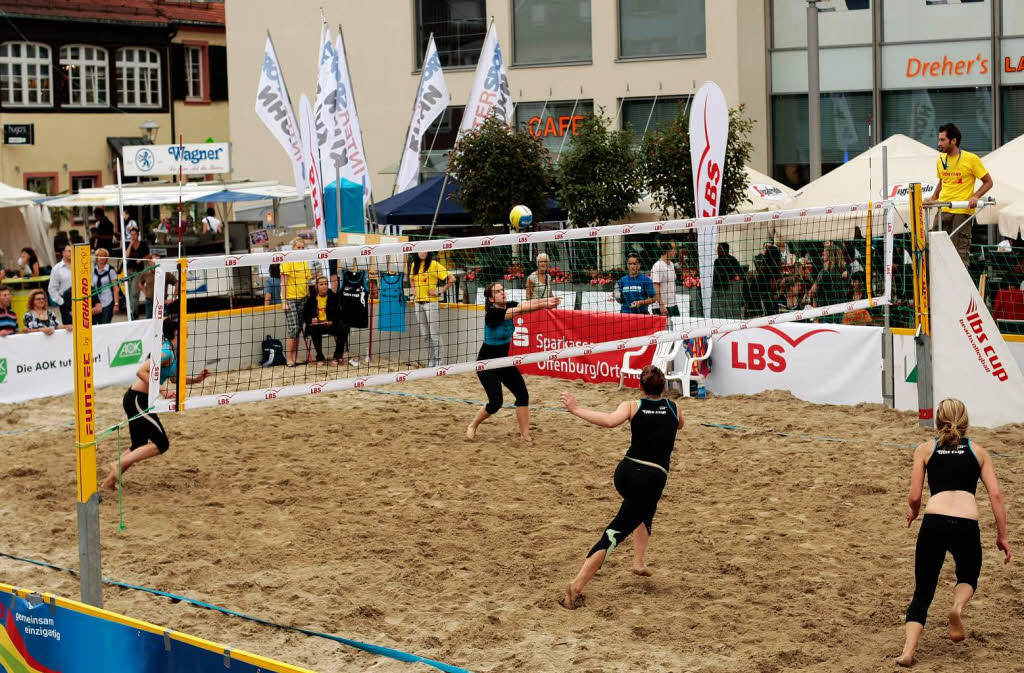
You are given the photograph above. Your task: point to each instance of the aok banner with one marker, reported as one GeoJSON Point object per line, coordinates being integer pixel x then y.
{"type": "Point", "coordinates": [191, 158]}
{"type": "Point", "coordinates": [548, 330]}
{"type": "Point", "coordinates": [820, 363]}
{"type": "Point", "coordinates": [46, 634]}
{"type": "Point", "coordinates": [39, 365]}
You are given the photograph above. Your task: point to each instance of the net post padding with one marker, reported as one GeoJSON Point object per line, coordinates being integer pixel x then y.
{"type": "Point", "coordinates": [156, 342]}
{"type": "Point", "coordinates": [369, 252]}
{"type": "Point", "coordinates": [182, 353]}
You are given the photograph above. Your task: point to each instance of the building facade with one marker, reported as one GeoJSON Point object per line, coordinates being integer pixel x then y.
{"type": "Point", "coordinates": [636, 59]}
{"type": "Point", "coordinates": [78, 81]}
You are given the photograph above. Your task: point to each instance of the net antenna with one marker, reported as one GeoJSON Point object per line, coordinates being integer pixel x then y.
{"type": "Point", "coordinates": [445, 322]}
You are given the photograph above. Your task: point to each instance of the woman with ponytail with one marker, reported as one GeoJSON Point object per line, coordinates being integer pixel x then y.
{"type": "Point", "coordinates": [953, 466]}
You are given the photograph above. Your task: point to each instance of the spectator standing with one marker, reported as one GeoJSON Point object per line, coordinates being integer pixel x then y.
{"type": "Point", "coordinates": [635, 290]}
{"type": "Point", "coordinates": [272, 285]}
{"type": "Point", "coordinates": [59, 287]}
{"type": "Point", "coordinates": [958, 170]}
{"type": "Point", "coordinates": [831, 285]}
{"type": "Point", "coordinates": [8, 319]}
{"type": "Point", "coordinates": [211, 225]}
{"type": "Point", "coordinates": [104, 285]}
{"type": "Point", "coordinates": [426, 274]}
{"type": "Point", "coordinates": [663, 274]}
{"type": "Point", "coordinates": [295, 277]}
{"type": "Point", "coordinates": [104, 230]}
{"type": "Point", "coordinates": [148, 282]}
{"type": "Point", "coordinates": [128, 222]}
{"type": "Point", "coordinates": [28, 263]}
{"type": "Point", "coordinates": [728, 276]}
{"type": "Point", "coordinates": [137, 252]}
{"type": "Point", "coordinates": [538, 283]}
{"type": "Point", "coordinates": [38, 318]}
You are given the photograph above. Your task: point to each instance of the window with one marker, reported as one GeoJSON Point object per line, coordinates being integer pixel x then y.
{"type": "Point", "coordinates": [551, 31]}
{"type": "Point", "coordinates": [25, 77]}
{"type": "Point", "coordinates": [647, 113]}
{"type": "Point", "coordinates": [41, 183]}
{"type": "Point", "coordinates": [138, 77]}
{"type": "Point", "coordinates": [459, 28]}
{"type": "Point", "coordinates": [651, 28]}
{"type": "Point", "coordinates": [439, 139]}
{"type": "Point", "coordinates": [841, 22]}
{"type": "Point", "coordinates": [844, 133]}
{"type": "Point", "coordinates": [931, 21]}
{"type": "Point", "coordinates": [1013, 18]}
{"type": "Point", "coordinates": [919, 114]}
{"type": "Point", "coordinates": [194, 74]}
{"type": "Point", "coordinates": [80, 181]}
{"type": "Point", "coordinates": [1012, 112]}
{"type": "Point", "coordinates": [553, 121]}
{"type": "Point", "coordinates": [85, 72]}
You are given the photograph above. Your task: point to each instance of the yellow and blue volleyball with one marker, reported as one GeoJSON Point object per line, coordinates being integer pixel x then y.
{"type": "Point", "coordinates": [520, 217]}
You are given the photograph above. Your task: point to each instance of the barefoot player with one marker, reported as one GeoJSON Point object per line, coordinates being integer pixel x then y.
{"type": "Point", "coordinates": [639, 478]}
{"type": "Point", "coordinates": [953, 465]}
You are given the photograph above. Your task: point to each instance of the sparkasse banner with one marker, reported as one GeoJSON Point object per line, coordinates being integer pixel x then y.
{"type": "Point", "coordinates": [193, 158]}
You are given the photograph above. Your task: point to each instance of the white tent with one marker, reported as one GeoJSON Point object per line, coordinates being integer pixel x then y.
{"type": "Point", "coordinates": [1005, 166]}
{"type": "Point", "coordinates": [1011, 220]}
{"type": "Point", "coordinates": [148, 194]}
{"type": "Point", "coordinates": [764, 193]}
{"type": "Point", "coordinates": [23, 224]}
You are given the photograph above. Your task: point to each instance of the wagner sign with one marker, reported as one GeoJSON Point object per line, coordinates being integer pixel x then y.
{"type": "Point", "coordinates": [191, 158]}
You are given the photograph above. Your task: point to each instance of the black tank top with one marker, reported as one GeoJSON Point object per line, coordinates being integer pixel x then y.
{"type": "Point", "coordinates": [953, 468]}
{"type": "Point", "coordinates": [653, 428]}
{"type": "Point", "coordinates": [354, 311]}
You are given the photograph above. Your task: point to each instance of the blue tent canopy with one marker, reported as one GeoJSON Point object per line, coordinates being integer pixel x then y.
{"type": "Point", "coordinates": [415, 206]}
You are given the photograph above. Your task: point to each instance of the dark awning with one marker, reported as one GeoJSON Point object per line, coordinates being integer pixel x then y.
{"type": "Point", "coordinates": [116, 144]}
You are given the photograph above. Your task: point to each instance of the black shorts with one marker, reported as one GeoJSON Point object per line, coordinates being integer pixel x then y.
{"type": "Point", "coordinates": [143, 426]}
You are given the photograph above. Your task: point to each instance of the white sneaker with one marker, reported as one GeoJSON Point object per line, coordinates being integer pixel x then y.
{"type": "Point", "coordinates": [354, 362]}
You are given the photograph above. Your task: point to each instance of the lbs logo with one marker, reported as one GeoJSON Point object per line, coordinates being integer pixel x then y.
{"type": "Point", "coordinates": [759, 357]}
{"type": "Point", "coordinates": [480, 366]}
{"type": "Point", "coordinates": [401, 377]}
{"type": "Point", "coordinates": [408, 247]}
{"type": "Point", "coordinates": [486, 241]}
{"type": "Point", "coordinates": [974, 328]}
{"type": "Point", "coordinates": [359, 383]}
{"type": "Point", "coordinates": [277, 258]}
{"type": "Point", "coordinates": [271, 394]}
{"type": "Point", "coordinates": [224, 399]}
{"type": "Point", "coordinates": [231, 261]}
{"type": "Point", "coordinates": [367, 251]}
{"type": "Point", "coordinates": [323, 254]}
{"type": "Point", "coordinates": [447, 245]}
{"type": "Point", "coordinates": [316, 389]}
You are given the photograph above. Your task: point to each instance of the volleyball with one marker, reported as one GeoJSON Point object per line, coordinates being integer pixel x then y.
{"type": "Point", "coordinates": [520, 217]}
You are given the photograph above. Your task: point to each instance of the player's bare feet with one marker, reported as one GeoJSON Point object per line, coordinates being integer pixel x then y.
{"type": "Point", "coordinates": [573, 599]}
{"type": "Point", "coordinates": [526, 437]}
{"type": "Point", "coordinates": [470, 432]}
{"type": "Point", "coordinates": [642, 571]}
{"type": "Point", "coordinates": [905, 660]}
{"type": "Point", "coordinates": [111, 481]}
{"type": "Point", "coordinates": [956, 626]}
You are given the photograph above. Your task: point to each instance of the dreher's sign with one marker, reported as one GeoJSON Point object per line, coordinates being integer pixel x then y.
{"type": "Point", "coordinates": [191, 158]}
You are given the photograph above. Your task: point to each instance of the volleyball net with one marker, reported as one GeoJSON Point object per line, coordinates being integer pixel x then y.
{"type": "Point", "coordinates": [383, 315]}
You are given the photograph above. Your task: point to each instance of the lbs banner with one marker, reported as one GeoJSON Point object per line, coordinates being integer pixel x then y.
{"type": "Point", "coordinates": [37, 365]}
{"type": "Point", "coordinates": [825, 364]}
{"type": "Point", "coordinates": [552, 330]}
{"type": "Point", "coordinates": [46, 634]}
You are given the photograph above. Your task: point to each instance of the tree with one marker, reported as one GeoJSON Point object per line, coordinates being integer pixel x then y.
{"type": "Point", "coordinates": [498, 168]}
{"type": "Point", "coordinates": [600, 175]}
{"type": "Point", "coordinates": [668, 171]}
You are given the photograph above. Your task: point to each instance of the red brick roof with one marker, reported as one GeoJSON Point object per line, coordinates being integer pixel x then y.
{"type": "Point", "coordinates": [153, 12]}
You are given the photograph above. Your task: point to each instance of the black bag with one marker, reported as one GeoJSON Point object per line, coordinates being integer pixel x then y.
{"type": "Point", "coordinates": [273, 352]}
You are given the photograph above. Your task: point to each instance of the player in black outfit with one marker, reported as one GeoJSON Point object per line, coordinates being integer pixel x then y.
{"type": "Point", "coordinates": [639, 478]}
{"type": "Point", "coordinates": [498, 329]}
{"type": "Point", "coordinates": [953, 465]}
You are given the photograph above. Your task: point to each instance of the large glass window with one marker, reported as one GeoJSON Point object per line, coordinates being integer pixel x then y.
{"type": "Point", "coordinates": [844, 133]}
{"type": "Point", "coordinates": [930, 20]}
{"type": "Point", "coordinates": [551, 31]}
{"type": "Point", "coordinates": [1013, 18]}
{"type": "Point", "coordinates": [919, 114]}
{"type": "Point", "coordinates": [840, 22]}
{"type": "Point", "coordinates": [647, 113]}
{"type": "Point", "coordinates": [25, 74]}
{"type": "Point", "coordinates": [85, 71]}
{"type": "Point", "coordinates": [552, 122]}
{"type": "Point", "coordinates": [439, 139]}
{"type": "Point", "coordinates": [651, 28]}
{"type": "Point", "coordinates": [1012, 112]}
{"type": "Point", "coordinates": [458, 26]}
{"type": "Point", "coordinates": [138, 77]}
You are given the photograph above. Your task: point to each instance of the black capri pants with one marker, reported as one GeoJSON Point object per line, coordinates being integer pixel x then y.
{"type": "Point", "coordinates": [940, 533]}
{"type": "Point", "coordinates": [640, 487]}
{"type": "Point", "coordinates": [144, 426]}
{"type": "Point", "coordinates": [511, 378]}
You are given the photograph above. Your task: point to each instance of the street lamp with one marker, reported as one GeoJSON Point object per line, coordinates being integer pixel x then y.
{"type": "Point", "coordinates": [149, 129]}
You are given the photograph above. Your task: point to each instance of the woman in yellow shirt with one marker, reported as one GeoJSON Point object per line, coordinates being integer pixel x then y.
{"type": "Point", "coordinates": [295, 277]}
{"type": "Point", "coordinates": [427, 273]}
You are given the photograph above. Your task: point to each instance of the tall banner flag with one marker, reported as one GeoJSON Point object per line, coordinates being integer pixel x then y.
{"type": "Point", "coordinates": [354, 167]}
{"type": "Point", "coordinates": [490, 93]}
{"type": "Point", "coordinates": [274, 108]}
{"type": "Point", "coordinates": [329, 136]}
{"type": "Point", "coordinates": [313, 176]}
{"type": "Point", "coordinates": [709, 133]}
{"type": "Point", "coordinates": [431, 100]}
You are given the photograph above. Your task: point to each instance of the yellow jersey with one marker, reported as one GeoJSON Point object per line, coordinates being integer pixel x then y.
{"type": "Point", "coordinates": [295, 277]}
{"type": "Point", "coordinates": [958, 175]}
{"type": "Point", "coordinates": [321, 308]}
{"type": "Point", "coordinates": [426, 280]}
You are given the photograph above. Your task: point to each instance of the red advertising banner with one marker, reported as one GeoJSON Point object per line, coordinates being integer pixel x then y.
{"type": "Point", "coordinates": [553, 330]}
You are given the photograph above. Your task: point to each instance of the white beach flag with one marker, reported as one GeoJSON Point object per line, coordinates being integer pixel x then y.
{"type": "Point", "coordinates": [354, 167]}
{"type": "Point", "coordinates": [313, 175]}
{"type": "Point", "coordinates": [274, 108]}
{"type": "Point", "coordinates": [490, 93]}
{"type": "Point", "coordinates": [329, 135]}
{"type": "Point", "coordinates": [431, 100]}
{"type": "Point", "coordinates": [709, 133]}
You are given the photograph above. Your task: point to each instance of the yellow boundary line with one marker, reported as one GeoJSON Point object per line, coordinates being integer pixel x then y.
{"type": "Point", "coordinates": [234, 312]}
{"type": "Point", "coordinates": [106, 615]}
{"type": "Point", "coordinates": [906, 331]}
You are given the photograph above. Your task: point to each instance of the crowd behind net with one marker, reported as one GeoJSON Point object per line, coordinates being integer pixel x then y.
{"type": "Point", "coordinates": [818, 264]}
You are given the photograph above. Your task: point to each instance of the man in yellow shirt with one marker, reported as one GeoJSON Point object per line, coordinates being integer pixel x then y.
{"type": "Point", "coordinates": [958, 171]}
{"type": "Point", "coordinates": [295, 277]}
